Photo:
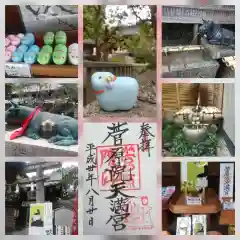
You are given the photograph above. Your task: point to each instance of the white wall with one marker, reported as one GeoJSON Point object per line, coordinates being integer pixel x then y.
{"type": "Point", "coordinates": [229, 111]}
{"type": "Point", "coordinates": [63, 217]}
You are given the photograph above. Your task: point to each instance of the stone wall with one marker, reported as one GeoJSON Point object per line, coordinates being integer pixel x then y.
{"type": "Point", "coordinates": [42, 18]}
{"type": "Point", "coordinates": [194, 15]}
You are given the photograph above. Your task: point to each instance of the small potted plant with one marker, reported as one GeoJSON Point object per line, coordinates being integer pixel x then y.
{"type": "Point", "coordinates": [192, 195]}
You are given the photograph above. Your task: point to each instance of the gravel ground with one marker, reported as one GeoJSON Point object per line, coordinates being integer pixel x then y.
{"type": "Point", "coordinates": [143, 109]}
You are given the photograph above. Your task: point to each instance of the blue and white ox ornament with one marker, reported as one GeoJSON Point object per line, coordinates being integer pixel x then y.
{"type": "Point", "coordinates": [115, 93]}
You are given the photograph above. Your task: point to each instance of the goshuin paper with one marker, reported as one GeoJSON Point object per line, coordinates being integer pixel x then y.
{"type": "Point", "coordinates": [183, 226]}
{"type": "Point", "coordinates": [120, 178]}
{"type": "Point", "coordinates": [199, 225]}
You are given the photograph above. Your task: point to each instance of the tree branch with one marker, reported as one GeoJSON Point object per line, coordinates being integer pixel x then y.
{"type": "Point", "coordinates": [132, 7]}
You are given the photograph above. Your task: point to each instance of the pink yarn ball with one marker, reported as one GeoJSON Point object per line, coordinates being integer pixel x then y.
{"type": "Point", "coordinates": [11, 37]}
{"type": "Point", "coordinates": [7, 42]}
{"type": "Point", "coordinates": [15, 41]}
{"type": "Point", "coordinates": [11, 48]}
{"type": "Point", "coordinates": [8, 56]}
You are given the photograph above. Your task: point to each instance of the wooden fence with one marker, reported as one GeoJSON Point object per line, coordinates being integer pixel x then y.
{"type": "Point", "coordinates": [177, 95]}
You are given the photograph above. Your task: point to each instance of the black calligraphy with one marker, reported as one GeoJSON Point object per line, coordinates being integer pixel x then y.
{"type": "Point", "coordinates": [146, 137]}
{"type": "Point", "coordinates": [91, 177]}
{"type": "Point", "coordinates": [116, 132]}
{"type": "Point", "coordinates": [227, 181]}
{"type": "Point", "coordinates": [119, 200]}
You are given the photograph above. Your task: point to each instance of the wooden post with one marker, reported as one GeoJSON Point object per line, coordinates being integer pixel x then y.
{"type": "Point", "coordinates": [195, 32]}
{"type": "Point", "coordinates": [40, 195]}
{"type": "Point", "coordinates": [178, 96]}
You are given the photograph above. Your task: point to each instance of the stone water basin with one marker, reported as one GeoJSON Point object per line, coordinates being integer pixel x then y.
{"type": "Point", "coordinates": [193, 134]}
{"type": "Point", "coordinates": [190, 61]}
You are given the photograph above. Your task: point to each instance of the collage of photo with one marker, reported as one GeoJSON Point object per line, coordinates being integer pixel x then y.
{"type": "Point", "coordinates": [104, 104]}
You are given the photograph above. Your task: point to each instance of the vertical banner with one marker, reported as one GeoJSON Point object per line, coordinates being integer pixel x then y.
{"type": "Point", "coordinates": [120, 178]}
{"type": "Point", "coordinates": [41, 219]}
{"type": "Point", "coordinates": [226, 181]}
{"type": "Point", "coordinates": [75, 215]}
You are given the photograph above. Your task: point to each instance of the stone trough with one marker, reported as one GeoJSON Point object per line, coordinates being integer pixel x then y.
{"type": "Point", "coordinates": [24, 146]}
{"type": "Point", "coordinates": [195, 61]}
{"type": "Point", "coordinates": [188, 62]}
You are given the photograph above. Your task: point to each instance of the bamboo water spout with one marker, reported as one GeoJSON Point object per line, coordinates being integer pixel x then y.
{"type": "Point", "coordinates": [196, 120]}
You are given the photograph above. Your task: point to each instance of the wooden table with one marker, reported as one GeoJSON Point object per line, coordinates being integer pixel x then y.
{"type": "Point", "coordinates": [177, 204]}
{"type": "Point", "coordinates": [227, 217]}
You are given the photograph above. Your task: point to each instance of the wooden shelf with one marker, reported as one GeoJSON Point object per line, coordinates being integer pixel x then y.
{"type": "Point", "coordinates": [227, 217]}
{"type": "Point", "coordinates": [212, 205]}
{"type": "Point", "coordinates": [64, 71]}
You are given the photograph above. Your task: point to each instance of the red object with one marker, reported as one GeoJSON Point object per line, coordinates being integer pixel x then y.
{"type": "Point", "coordinates": [75, 215]}
{"type": "Point", "coordinates": [20, 131]}
{"type": "Point", "coordinates": [99, 92]}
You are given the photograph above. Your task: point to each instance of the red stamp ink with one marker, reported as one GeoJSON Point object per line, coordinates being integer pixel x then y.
{"type": "Point", "coordinates": [125, 164]}
{"type": "Point", "coordinates": [140, 214]}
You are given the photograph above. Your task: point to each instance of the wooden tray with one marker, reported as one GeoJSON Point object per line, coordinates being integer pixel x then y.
{"type": "Point", "coordinates": [212, 205]}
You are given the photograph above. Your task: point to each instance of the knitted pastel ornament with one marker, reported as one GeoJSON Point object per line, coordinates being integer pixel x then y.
{"type": "Point", "coordinates": [8, 56]}
{"type": "Point", "coordinates": [60, 54]}
{"type": "Point", "coordinates": [7, 42]}
{"type": "Point", "coordinates": [60, 38]}
{"type": "Point", "coordinates": [48, 38]}
{"type": "Point", "coordinates": [11, 48]}
{"type": "Point", "coordinates": [17, 57]}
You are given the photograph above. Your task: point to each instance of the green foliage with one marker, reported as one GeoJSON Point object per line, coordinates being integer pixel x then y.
{"type": "Point", "coordinates": [93, 21]}
{"type": "Point", "coordinates": [104, 30]}
{"type": "Point", "coordinates": [95, 28]}
{"type": "Point", "coordinates": [142, 45]}
{"type": "Point", "coordinates": [51, 98]}
{"type": "Point", "coordinates": [12, 197]}
{"type": "Point", "coordinates": [176, 143]}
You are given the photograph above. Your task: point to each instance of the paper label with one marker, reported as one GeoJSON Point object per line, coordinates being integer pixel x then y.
{"type": "Point", "coordinates": [193, 200]}
{"type": "Point", "coordinates": [18, 70]}
{"type": "Point", "coordinates": [199, 225]}
{"type": "Point", "coordinates": [183, 226]}
{"type": "Point", "coordinates": [40, 222]}
{"type": "Point", "coordinates": [167, 192]}
{"type": "Point", "coordinates": [228, 206]}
